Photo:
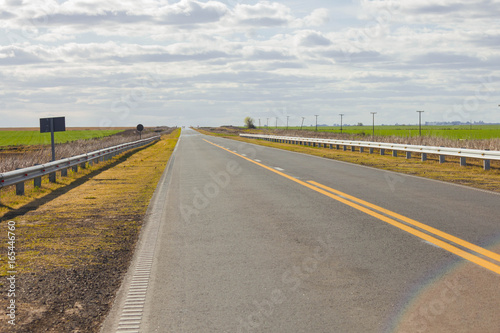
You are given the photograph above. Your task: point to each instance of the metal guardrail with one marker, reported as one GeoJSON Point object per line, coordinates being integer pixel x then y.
{"type": "Point", "coordinates": [442, 152]}
{"type": "Point", "coordinates": [35, 172]}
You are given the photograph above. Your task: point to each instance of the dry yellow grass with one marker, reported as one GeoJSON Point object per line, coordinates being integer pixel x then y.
{"type": "Point", "coordinates": [472, 175]}
{"type": "Point", "coordinates": [72, 225]}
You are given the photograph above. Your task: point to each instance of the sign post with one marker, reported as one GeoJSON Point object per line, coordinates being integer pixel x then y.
{"type": "Point", "coordinates": [52, 125]}
{"type": "Point", "coordinates": [140, 128]}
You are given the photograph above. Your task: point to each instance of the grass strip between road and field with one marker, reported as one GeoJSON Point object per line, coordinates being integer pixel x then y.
{"type": "Point", "coordinates": [74, 242]}
{"type": "Point", "coordinates": [377, 212]}
{"type": "Point", "coordinates": [471, 175]}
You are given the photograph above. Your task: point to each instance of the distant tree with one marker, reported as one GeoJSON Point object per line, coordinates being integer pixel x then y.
{"type": "Point", "coordinates": [249, 122]}
{"type": "Point", "coordinates": [360, 124]}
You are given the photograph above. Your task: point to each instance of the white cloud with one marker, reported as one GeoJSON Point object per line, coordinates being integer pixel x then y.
{"type": "Point", "coordinates": [318, 17]}
{"type": "Point", "coordinates": [116, 60]}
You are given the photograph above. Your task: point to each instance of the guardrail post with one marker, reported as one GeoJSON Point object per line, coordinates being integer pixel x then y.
{"type": "Point", "coordinates": [408, 155]}
{"type": "Point", "coordinates": [83, 165]}
{"type": "Point", "coordinates": [463, 161]}
{"type": "Point", "coordinates": [442, 159]}
{"type": "Point", "coordinates": [19, 187]}
{"type": "Point", "coordinates": [52, 177]}
{"type": "Point", "coordinates": [361, 149]}
{"type": "Point", "coordinates": [370, 150]}
{"type": "Point", "coordinates": [486, 165]}
{"type": "Point", "coordinates": [382, 151]}
{"type": "Point", "coordinates": [331, 146]}
{"type": "Point", "coordinates": [353, 148]}
{"type": "Point", "coordinates": [37, 181]}
{"type": "Point", "coordinates": [424, 157]}
{"type": "Point", "coordinates": [337, 147]}
{"type": "Point", "coordinates": [75, 168]}
{"type": "Point", "coordinates": [345, 148]}
{"type": "Point", "coordinates": [64, 172]}
{"type": "Point", "coordinates": [394, 153]}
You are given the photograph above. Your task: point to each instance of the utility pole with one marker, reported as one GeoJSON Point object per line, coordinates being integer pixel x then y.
{"type": "Point", "coordinates": [287, 122]}
{"type": "Point", "coordinates": [316, 122]}
{"type": "Point", "coordinates": [373, 125]}
{"type": "Point", "coordinates": [341, 116]}
{"type": "Point", "coordinates": [420, 123]}
{"type": "Point", "coordinates": [267, 122]}
{"type": "Point", "coordinates": [259, 122]}
{"type": "Point", "coordinates": [302, 124]}
{"type": "Point", "coordinates": [276, 123]}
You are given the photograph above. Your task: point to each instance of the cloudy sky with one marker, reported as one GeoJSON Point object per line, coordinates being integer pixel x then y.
{"type": "Point", "coordinates": [193, 62]}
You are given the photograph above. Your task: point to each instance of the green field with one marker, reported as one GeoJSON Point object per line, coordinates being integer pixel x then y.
{"type": "Point", "coordinates": [26, 138]}
{"type": "Point", "coordinates": [451, 132]}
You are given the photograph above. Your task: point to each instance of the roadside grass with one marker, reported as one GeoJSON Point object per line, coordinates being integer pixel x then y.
{"type": "Point", "coordinates": [9, 201]}
{"type": "Point", "coordinates": [28, 138]}
{"type": "Point", "coordinates": [471, 175]}
{"type": "Point", "coordinates": [85, 225]}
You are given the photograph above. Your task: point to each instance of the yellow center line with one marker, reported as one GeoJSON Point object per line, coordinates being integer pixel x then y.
{"type": "Point", "coordinates": [453, 249]}
{"type": "Point", "coordinates": [456, 240]}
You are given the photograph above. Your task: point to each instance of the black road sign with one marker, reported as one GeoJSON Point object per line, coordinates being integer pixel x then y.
{"type": "Point", "coordinates": [59, 124]}
{"type": "Point", "coordinates": [51, 125]}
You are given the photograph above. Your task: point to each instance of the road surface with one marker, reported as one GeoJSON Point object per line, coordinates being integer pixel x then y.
{"type": "Point", "coordinates": [243, 238]}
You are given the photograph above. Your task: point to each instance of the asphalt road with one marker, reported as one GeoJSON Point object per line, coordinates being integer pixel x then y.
{"type": "Point", "coordinates": [243, 238]}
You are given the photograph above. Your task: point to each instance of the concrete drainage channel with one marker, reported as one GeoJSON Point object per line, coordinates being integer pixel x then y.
{"type": "Point", "coordinates": [128, 309]}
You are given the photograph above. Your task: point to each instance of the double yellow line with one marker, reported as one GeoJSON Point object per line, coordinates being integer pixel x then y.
{"type": "Point", "coordinates": [413, 227]}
